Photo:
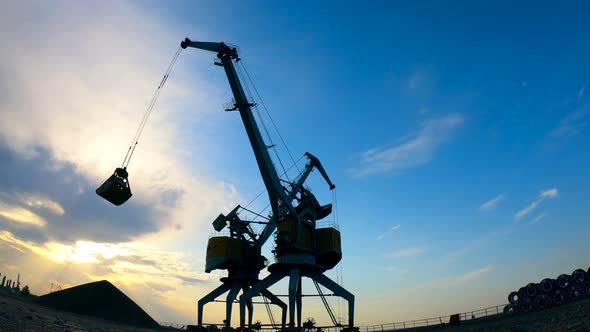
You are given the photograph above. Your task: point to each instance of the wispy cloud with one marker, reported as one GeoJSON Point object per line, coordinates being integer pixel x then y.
{"type": "Point", "coordinates": [492, 203]}
{"type": "Point", "coordinates": [406, 252]}
{"type": "Point", "coordinates": [419, 79]}
{"type": "Point", "coordinates": [538, 218]}
{"type": "Point", "coordinates": [457, 281]}
{"type": "Point", "coordinates": [35, 202]}
{"type": "Point", "coordinates": [581, 92]}
{"type": "Point", "coordinates": [21, 215]}
{"type": "Point", "coordinates": [391, 230]}
{"type": "Point", "coordinates": [394, 269]}
{"type": "Point", "coordinates": [116, 259]}
{"type": "Point", "coordinates": [546, 194]}
{"type": "Point", "coordinates": [41, 202]}
{"type": "Point", "coordinates": [550, 193]}
{"type": "Point", "coordinates": [477, 273]}
{"type": "Point", "coordinates": [573, 123]}
{"type": "Point", "coordinates": [415, 150]}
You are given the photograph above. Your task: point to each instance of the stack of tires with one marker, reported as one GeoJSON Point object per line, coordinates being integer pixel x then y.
{"type": "Point", "coordinates": [549, 293]}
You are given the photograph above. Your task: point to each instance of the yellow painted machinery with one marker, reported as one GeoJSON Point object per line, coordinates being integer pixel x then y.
{"type": "Point", "coordinates": [328, 247]}
{"type": "Point", "coordinates": [224, 253]}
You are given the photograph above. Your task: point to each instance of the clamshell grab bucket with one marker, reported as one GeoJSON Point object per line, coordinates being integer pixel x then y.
{"type": "Point", "coordinates": [116, 189]}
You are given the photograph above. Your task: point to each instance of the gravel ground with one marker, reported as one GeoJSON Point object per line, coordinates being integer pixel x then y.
{"type": "Point", "coordinates": [17, 315]}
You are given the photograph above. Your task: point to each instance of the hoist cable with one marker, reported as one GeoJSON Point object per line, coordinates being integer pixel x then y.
{"type": "Point", "coordinates": [268, 113]}
{"type": "Point", "coordinates": [261, 120]}
{"type": "Point", "coordinates": [339, 267]}
{"type": "Point", "coordinates": [246, 75]}
{"type": "Point", "coordinates": [149, 110]}
{"type": "Point", "coordinates": [262, 192]}
{"type": "Point", "coordinates": [269, 311]}
{"type": "Point", "coordinates": [326, 303]}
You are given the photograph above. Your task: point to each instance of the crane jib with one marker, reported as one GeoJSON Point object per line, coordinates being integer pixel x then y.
{"type": "Point", "coordinates": [276, 192]}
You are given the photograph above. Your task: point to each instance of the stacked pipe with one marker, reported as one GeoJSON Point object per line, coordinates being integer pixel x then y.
{"type": "Point", "coordinates": [549, 292]}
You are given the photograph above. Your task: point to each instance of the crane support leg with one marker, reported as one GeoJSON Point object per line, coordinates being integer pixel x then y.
{"type": "Point", "coordinates": [208, 298]}
{"type": "Point", "coordinates": [249, 306]}
{"type": "Point", "coordinates": [294, 277]}
{"type": "Point", "coordinates": [263, 284]}
{"type": "Point", "coordinates": [299, 302]}
{"type": "Point", "coordinates": [275, 300]}
{"type": "Point", "coordinates": [229, 301]}
{"type": "Point", "coordinates": [338, 291]}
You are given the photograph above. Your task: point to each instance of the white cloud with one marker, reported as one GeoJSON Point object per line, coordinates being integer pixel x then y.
{"type": "Point", "coordinates": [581, 92]}
{"type": "Point", "coordinates": [524, 212]}
{"type": "Point", "coordinates": [441, 283]}
{"type": "Point", "coordinates": [34, 201]}
{"type": "Point", "coordinates": [550, 193]}
{"type": "Point", "coordinates": [572, 124]}
{"type": "Point", "coordinates": [492, 203]}
{"type": "Point", "coordinates": [416, 150]}
{"type": "Point", "coordinates": [406, 252]}
{"type": "Point", "coordinates": [21, 215]}
{"type": "Point", "coordinates": [391, 230]}
{"type": "Point", "coordinates": [477, 273]}
{"type": "Point", "coordinates": [418, 80]}
{"type": "Point", "coordinates": [394, 269]}
{"type": "Point", "coordinates": [538, 218]}
{"type": "Point", "coordinates": [545, 194]}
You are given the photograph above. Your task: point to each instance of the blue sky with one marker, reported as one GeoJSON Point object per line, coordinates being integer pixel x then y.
{"type": "Point", "coordinates": [457, 135]}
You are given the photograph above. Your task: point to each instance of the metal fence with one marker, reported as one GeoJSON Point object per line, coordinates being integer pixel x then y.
{"type": "Point", "coordinates": [173, 325]}
{"type": "Point", "coordinates": [480, 313]}
{"type": "Point", "coordinates": [410, 324]}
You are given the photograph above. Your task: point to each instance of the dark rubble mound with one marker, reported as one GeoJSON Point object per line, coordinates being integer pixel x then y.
{"type": "Point", "coordinates": [99, 299]}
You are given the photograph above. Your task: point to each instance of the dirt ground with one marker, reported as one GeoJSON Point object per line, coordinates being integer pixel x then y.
{"type": "Point", "coordinates": [17, 315]}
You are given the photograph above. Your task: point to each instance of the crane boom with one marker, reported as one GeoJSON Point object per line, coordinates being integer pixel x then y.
{"type": "Point", "coordinates": [276, 192]}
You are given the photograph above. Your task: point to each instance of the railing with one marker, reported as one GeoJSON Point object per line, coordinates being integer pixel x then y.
{"type": "Point", "coordinates": [480, 313]}
{"type": "Point", "coordinates": [231, 104]}
{"type": "Point", "coordinates": [173, 325]}
{"type": "Point", "coordinates": [465, 316]}
{"type": "Point", "coordinates": [327, 224]}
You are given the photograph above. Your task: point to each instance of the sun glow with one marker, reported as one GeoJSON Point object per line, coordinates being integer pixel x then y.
{"type": "Point", "coordinates": [84, 252]}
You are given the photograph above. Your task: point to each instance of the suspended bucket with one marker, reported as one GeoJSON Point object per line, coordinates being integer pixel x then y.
{"type": "Point", "coordinates": [116, 189]}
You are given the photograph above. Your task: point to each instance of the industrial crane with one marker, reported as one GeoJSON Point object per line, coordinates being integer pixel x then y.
{"type": "Point", "coordinates": [302, 249]}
